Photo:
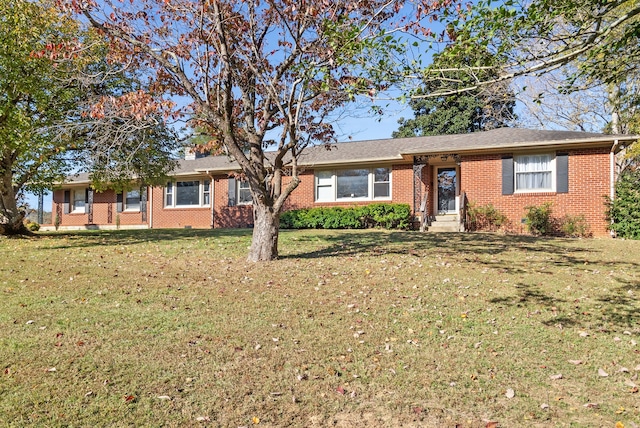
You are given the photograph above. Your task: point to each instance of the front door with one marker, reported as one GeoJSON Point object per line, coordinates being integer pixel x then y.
{"type": "Point", "coordinates": [447, 185]}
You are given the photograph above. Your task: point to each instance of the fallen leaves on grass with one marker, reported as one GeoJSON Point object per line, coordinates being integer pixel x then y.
{"type": "Point", "coordinates": [510, 393]}
{"type": "Point", "coordinates": [602, 373]}
{"type": "Point", "coordinates": [556, 376]}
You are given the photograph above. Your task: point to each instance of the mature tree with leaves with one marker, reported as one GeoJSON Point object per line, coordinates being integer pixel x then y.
{"type": "Point", "coordinates": [63, 109]}
{"type": "Point", "coordinates": [543, 35]}
{"type": "Point", "coordinates": [484, 108]}
{"type": "Point", "coordinates": [31, 100]}
{"type": "Point", "coordinates": [262, 75]}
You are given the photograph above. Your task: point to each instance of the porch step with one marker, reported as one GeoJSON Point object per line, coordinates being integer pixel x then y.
{"type": "Point", "coordinates": [444, 223]}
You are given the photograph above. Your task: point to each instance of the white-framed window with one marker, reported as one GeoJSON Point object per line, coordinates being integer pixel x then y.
{"type": "Point", "coordinates": [132, 200]}
{"type": "Point", "coordinates": [192, 193]}
{"type": "Point", "coordinates": [244, 193]}
{"type": "Point", "coordinates": [79, 201]}
{"type": "Point", "coordinates": [535, 172]}
{"type": "Point", "coordinates": [353, 184]}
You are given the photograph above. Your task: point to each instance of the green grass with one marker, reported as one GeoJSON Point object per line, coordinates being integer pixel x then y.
{"type": "Point", "coordinates": [348, 328]}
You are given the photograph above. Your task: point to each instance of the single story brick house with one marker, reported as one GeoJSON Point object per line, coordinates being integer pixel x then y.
{"type": "Point", "coordinates": [510, 168]}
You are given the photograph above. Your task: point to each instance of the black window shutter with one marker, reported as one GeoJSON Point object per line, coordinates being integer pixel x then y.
{"type": "Point", "coordinates": [562, 173]}
{"type": "Point", "coordinates": [119, 202]}
{"type": "Point", "coordinates": [67, 201]}
{"type": "Point", "coordinates": [507, 175]}
{"type": "Point", "coordinates": [232, 191]}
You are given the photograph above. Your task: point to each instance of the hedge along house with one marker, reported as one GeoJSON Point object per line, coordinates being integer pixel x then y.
{"type": "Point", "coordinates": [437, 176]}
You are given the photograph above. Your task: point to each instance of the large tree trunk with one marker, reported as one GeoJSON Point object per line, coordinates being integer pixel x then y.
{"type": "Point", "coordinates": [11, 219]}
{"type": "Point", "coordinates": [266, 225]}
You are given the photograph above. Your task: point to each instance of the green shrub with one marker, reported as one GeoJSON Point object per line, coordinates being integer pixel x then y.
{"type": "Point", "coordinates": [538, 219]}
{"type": "Point", "coordinates": [32, 225]}
{"type": "Point", "coordinates": [575, 226]}
{"type": "Point", "coordinates": [624, 210]}
{"type": "Point", "coordinates": [390, 216]}
{"type": "Point", "coordinates": [485, 217]}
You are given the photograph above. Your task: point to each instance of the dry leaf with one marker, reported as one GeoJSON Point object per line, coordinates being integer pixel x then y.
{"type": "Point", "coordinates": [129, 398]}
{"type": "Point", "coordinates": [510, 393]}
{"type": "Point", "coordinates": [492, 424]}
{"type": "Point", "coordinates": [164, 397]}
{"type": "Point", "coordinates": [602, 373]}
{"type": "Point", "coordinates": [255, 420]}
{"type": "Point", "coordinates": [52, 369]}
{"type": "Point", "coordinates": [576, 362]}
{"type": "Point", "coordinates": [591, 405]}
{"type": "Point", "coordinates": [630, 383]}
{"type": "Point", "coordinates": [619, 424]}
{"type": "Point", "coordinates": [544, 406]}
{"type": "Point", "coordinates": [203, 419]}
{"type": "Point", "coordinates": [556, 377]}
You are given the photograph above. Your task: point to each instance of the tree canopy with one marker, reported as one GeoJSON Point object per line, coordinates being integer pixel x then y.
{"type": "Point", "coordinates": [481, 109]}
{"type": "Point", "coordinates": [57, 93]}
{"type": "Point", "coordinates": [543, 35]}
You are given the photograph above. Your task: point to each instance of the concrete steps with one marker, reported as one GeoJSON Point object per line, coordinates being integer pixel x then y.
{"type": "Point", "coordinates": [445, 223]}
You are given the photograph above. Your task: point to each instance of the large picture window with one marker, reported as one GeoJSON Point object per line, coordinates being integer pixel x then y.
{"type": "Point", "coordinates": [194, 193]}
{"type": "Point", "coordinates": [534, 172]}
{"type": "Point", "coordinates": [353, 184]}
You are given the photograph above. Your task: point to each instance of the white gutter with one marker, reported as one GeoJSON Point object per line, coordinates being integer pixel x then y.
{"type": "Point", "coordinates": [211, 198]}
{"type": "Point", "coordinates": [612, 174]}
{"type": "Point", "coordinates": [150, 205]}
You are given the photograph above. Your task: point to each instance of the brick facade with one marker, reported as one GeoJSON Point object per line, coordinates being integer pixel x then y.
{"type": "Point", "coordinates": [589, 172]}
{"type": "Point", "coordinates": [479, 176]}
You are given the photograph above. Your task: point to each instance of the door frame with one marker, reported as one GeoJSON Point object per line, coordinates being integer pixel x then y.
{"type": "Point", "coordinates": [436, 169]}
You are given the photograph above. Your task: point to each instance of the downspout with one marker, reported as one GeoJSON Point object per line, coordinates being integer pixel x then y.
{"type": "Point", "coordinates": [150, 205]}
{"type": "Point", "coordinates": [612, 175]}
{"type": "Point", "coordinates": [211, 199]}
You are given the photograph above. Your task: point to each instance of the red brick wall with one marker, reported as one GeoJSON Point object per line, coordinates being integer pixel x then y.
{"type": "Point", "coordinates": [304, 195]}
{"type": "Point", "coordinates": [103, 202]}
{"type": "Point", "coordinates": [196, 217]}
{"type": "Point", "coordinates": [481, 179]}
{"type": "Point", "coordinates": [226, 216]}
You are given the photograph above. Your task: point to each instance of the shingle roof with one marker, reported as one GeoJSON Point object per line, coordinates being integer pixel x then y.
{"type": "Point", "coordinates": [394, 149]}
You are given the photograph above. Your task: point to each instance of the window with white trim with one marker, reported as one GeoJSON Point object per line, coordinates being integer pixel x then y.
{"type": "Point", "coordinates": [132, 200]}
{"type": "Point", "coordinates": [244, 193]}
{"type": "Point", "coordinates": [79, 201]}
{"type": "Point", "coordinates": [194, 193]}
{"type": "Point", "coordinates": [534, 173]}
{"type": "Point", "coordinates": [353, 184]}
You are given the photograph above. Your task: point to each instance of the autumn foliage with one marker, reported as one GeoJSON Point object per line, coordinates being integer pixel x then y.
{"type": "Point", "coordinates": [263, 75]}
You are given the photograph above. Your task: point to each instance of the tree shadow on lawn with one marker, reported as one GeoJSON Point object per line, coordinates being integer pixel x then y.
{"type": "Point", "coordinates": [622, 304]}
{"type": "Point", "coordinates": [374, 242]}
{"type": "Point", "coordinates": [92, 238]}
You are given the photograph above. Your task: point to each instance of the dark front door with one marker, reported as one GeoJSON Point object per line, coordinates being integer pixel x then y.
{"type": "Point", "coordinates": [446, 190]}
